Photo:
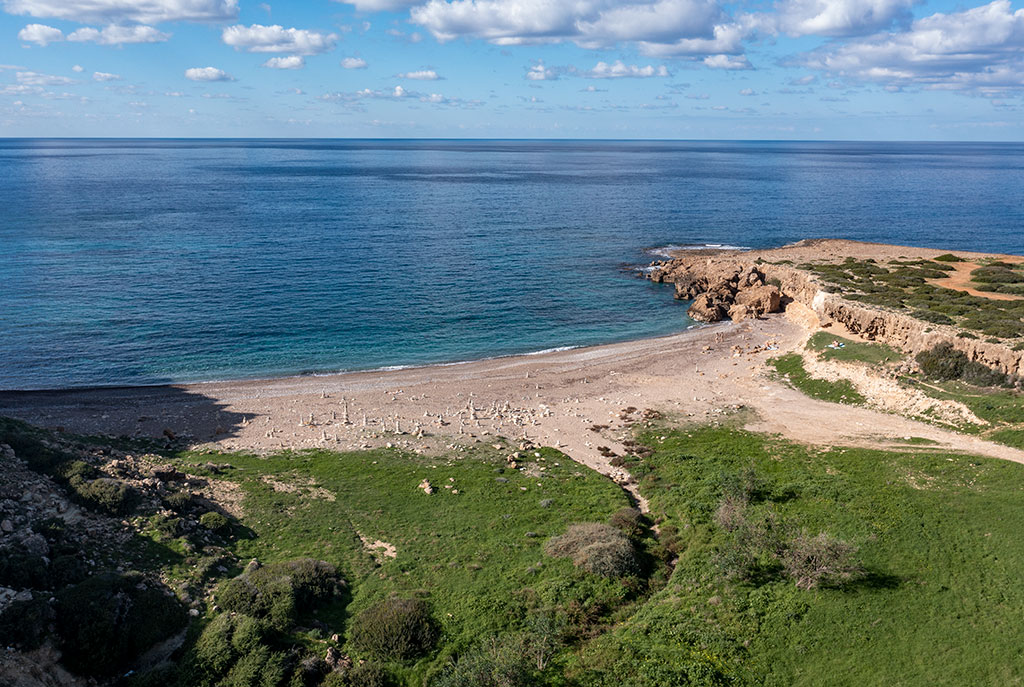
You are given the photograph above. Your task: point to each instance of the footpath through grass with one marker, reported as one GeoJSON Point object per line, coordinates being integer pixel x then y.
{"type": "Point", "coordinates": [939, 601]}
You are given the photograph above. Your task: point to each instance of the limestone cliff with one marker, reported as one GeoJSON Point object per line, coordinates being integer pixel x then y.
{"type": "Point", "coordinates": [723, 284]}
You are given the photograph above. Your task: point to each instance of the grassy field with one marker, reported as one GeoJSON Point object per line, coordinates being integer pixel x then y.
{"type": "Point", "coordinates": [473, 550]}
{"type": "Point", "coordinates": [931, 595]}
{"type": "Point", "coordinates": [852, 351]}
{"type": "Point", "coordinates": [791, 366]}
{"type": "Point", "coordinates": [938, 603]}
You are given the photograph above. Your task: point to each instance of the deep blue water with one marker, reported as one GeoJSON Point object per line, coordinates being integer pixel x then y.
{"type": "Point", "coordinates": [145, 261]}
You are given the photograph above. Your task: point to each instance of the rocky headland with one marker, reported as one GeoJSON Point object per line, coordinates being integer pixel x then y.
{"type": "Point", "coordinates": [737, 285]}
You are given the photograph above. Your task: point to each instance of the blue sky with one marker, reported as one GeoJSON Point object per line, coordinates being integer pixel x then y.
{"type": "Point", "coordinates": [688, 69]}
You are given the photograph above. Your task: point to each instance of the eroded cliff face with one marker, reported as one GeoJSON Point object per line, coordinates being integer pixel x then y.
{"type": "Point", "coordinates": [720, 284]}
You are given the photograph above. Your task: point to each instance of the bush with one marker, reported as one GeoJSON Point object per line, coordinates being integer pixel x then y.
{"type": "Point", "coordinates": [25, 624]}
{"type": "Point", "coordinates": [997, 274]}
{"type": "Point", "coordinates": [948, 257]}
{"type": "Point", "coordinates": [105, 622]}
{"type": "Point", "coordinates": [497, 664]}
{"type": "Point", "coordinates": [105, 494]}
{"type": "Point", "coordinates": [629, 521]}
{"type": "Point", "coordinates": [754, 547]}
{"type": "Point", "coordinates": [237, 651]}
{"type": "Point", "coordinates": [214, 521]}
{"type": "Point", "coordinates": [395, 629]}
{"type": "Point", "coordinates": [817, 561]}
{"type": "Point", "coordinates": [933, 317]}
{"type": "Point", "coordinates": [179, 502]}
{"type": "Point", "coordinates": [280, 591]}
{"type": "Point", "coordinates": [613, 558]}
{"type": "Point", "coordinates": [596, 548]}
{"type": "Point", "coordinates": [731, 513]}
{"type": "Point", "coordinates": [981, 375]}
{"type": "Point", "coordinates": [943, 362]}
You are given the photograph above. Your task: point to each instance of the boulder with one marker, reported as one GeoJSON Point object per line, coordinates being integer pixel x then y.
{"type": "Point", "coordinates": [168, 473]}
{"type": "Point", "coordinates": [760, 300]}
{"type": "Point", "coordinates": [706, 309]}
{"type": "Point", "coordinates": [739, 312]}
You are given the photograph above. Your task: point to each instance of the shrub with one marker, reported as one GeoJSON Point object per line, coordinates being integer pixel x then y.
{"type": "Point", "coordinates": [997, 274]}
{"type": "Point", "coordinates": [731, 513]}
{"type": "Point", "coordinates": [579, 536]}
{"type": "Point", "coordinates": [596, 548]}
{"type": "Point", "coordinates": [105, 622]}
{"type": "Point", "coordinates": [942, 362]}
{"type": "Point", "coordinates": [754, 547]}
{"type": "Point", "coordinates": [981, 375]}
{"type": "Point", "coordinates": [270, 599]}
{"type": "Point", "coordinates": [933, 317]}
{"type": "Point", "coordinates": [817, 561]}
{"type": "Point", "coordinates": [105, 494]}
{"type": "Point", "coordinates": [629, 521]}
{"type": "Point", "coordinates": [280, 591]}
{"type": "Point", "coordinates": [948, 257]}
{"type": "Point", "coordinates": [179, 501]}
{"type": "Point", "coordinates": [214, 521]}
{"type": "Point", "coordinates": [237, 651]}
{"type": "Point", "coordinates": [496, 664]}
{"type": "Point", "coordinates": [612, 558]}
{"type": "Point", "coordinates": [25, 624]}
{"type": "Point", "coordinates": [395, 629]}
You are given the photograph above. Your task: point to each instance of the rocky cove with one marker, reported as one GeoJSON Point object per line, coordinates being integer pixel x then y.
{"type": "Point", "coordinates": [727, 284]}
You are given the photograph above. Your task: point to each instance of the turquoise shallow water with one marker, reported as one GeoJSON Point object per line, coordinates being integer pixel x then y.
{"type": "Point", "coordinates": [140, 262]}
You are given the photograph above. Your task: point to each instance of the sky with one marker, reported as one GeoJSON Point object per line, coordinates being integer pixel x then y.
{"type": "Point", "coordinates": [625, 69]}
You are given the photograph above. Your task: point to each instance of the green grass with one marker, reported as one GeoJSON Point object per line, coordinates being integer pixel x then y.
{"type": "Point", "coordinates": [939, 538]}
{"type": "Point", "coordinates": [791, 366]}
{"type": "Point", "coordinates": [1010, 437]}
{"type": "Point", "coordinates": [852, 351]}
{"type": "Point", "coordinates": [476, 555]}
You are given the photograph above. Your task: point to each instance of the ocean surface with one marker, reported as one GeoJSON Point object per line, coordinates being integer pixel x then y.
{"type": "Point", "coordinates": [131, 262]}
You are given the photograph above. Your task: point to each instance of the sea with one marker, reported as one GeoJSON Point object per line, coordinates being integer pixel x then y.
{"type": "Point", "coordinates": [137, 262]}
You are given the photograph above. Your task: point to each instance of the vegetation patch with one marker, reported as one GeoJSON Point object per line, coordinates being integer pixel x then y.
{"type": "Point", "coordinates": [921, 554]}
{"type": "Point", "coordinates": [827, 346]}
{"type": "Point", "coordinates": [791, 366]}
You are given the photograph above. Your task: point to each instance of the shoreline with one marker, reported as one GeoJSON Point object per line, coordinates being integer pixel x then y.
{"type": "Point", "coordinates": [585, 401]}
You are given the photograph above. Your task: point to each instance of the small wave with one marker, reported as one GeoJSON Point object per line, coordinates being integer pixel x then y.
{"type": "Point", "coordinates": [556, 349]}
{"type": "Point", "coordinates": [669, 250]}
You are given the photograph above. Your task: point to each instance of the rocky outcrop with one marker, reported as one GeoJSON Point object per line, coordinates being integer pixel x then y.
{"type": "Point", "coordinates": [721, 290]}
{"type": "Point", "coordinates": [741, 285]}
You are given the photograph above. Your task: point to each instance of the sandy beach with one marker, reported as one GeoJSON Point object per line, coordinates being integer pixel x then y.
{"type": "Point", "coordinates": [579, 401]}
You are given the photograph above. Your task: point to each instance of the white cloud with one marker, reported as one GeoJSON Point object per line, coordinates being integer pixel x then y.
{"type": "Point", "coordinates": [979, 50]}
{"type": "Point", "coordinates": [39, 79]}
{"type": "Point", "coordinates": [748, 91]}
{"type": "Point", "coordinates": [276, 38]}
{"type": "Point", "coordinates": [397, 93]}
{"type": "Point", "coordinates": [126, 11]}
{"type": "Point", "coordinates": [727, 62]}
{"type": "Point", "coordinates": [538, 72]}
{"type": "Point", "coordinates": [207, 74]}
{"type": "Point", "coordinates": [353, 63]}
{"type": "Point", "coordinates": [105, 76]}
{"type": "Point", "coordinates": [118, 35]}
{"type": "Point", "coordinates": [40, 34]}
{"type": "Point", "coordinates": [78, 69]}
{"type": "Point", "coordinates": [422, 75]}
{"type": "Point", "coordinates": [618, 69]}
{"type": "Point", "coordinates": [380, 5]}
{"type": "Point", "coordinates": [840, 17]}
{"type": "Point", "coordinates": [661, 28]}
{"type": "Point", "coordinates": [290, 62]}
